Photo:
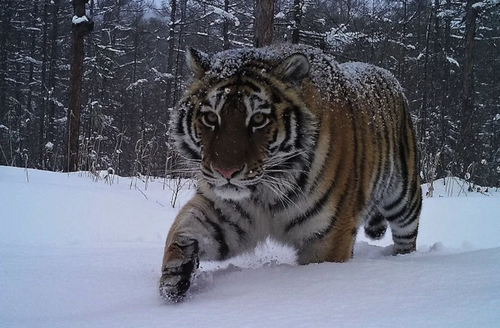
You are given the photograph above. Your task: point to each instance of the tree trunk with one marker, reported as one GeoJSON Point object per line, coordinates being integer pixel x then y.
{"type": "Point", "coordinates": [42, 107]}
{"type": "Point", "coordinates": [445, 87]}
{"type": "Point", "coordinates": [467, 134]}
{"type": "Point", "coordinates": [422, 121]}
{"type": "Point", "coordinates": [170, 57]}
{"type": "Point", "coordinates": [179, 61]}
{"type": "Point", "coordinates": [225, 27]}
{"type": "Point", "coordinates": [402, 50]}
{"type": "Point", "coordinates": [264, 21]}
{"type": "Point", "coordinates": [52, 75]}
{"type": "Point", "coordinates": [297, 18]}
{"type": "Point", "coordinates": [5, 22]}
{"type": "Point", "coordinates": [80, 30]}
{"type": "Point", "coordinates": [34, 54]}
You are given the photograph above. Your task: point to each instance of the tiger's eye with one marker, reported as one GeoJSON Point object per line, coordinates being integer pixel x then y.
{"type": "Point", "coordinates": [210, 119]}
{"type": "Point", "coordinates": [258, 119]}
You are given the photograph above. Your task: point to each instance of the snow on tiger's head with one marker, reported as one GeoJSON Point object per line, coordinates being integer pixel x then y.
{"type": "Point", "coordinates": [243, 118]}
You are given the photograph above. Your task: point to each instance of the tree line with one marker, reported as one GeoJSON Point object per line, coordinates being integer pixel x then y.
{"type": "Point", "coordinates": [445, 53]}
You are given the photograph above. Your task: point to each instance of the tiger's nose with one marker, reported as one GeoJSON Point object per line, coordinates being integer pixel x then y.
{"type": "Point", "coordinates": [228, 173]}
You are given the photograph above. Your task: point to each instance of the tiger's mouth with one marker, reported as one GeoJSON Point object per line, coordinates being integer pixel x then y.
{"type": "Point", "coordinates": [232, 185]}
{"type": "Point", "coordinates": [230, 191]}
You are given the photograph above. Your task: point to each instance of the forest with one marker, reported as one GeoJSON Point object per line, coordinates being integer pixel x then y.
{"type": "Point", "coordinates": [445, 53]}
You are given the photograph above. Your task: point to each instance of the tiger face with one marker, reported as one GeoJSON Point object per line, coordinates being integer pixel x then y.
{"type": "Point", "coordinates": [244, 127]}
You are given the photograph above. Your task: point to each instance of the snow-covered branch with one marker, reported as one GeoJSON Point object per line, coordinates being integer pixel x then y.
{"type": "Point", "coordinates": [224, 14]}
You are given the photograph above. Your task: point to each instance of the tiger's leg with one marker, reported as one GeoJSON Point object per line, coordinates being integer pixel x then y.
{"type": "Point", "coordinates": [334, 246]}
{"type": "Point", "coordinates": [403, 217]}
{"type": "Point", "coordinates": [403, 205]}
{"type": "Point", "coordinates": [200, 232]}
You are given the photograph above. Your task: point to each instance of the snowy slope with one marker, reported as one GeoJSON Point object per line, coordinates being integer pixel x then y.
{"type": "Point", "coordinates": [80, 253]}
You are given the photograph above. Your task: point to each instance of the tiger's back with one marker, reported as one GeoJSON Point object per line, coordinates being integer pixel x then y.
{"type": "Point", "coordinates": [364, 170]}
{"type": "Point", "coordinates": [368, 145]}
{"type": "Point", "coordinates": [294, 146]}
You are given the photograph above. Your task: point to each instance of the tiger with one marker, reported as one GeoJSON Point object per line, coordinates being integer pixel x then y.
{"type": "Point", "coordinates": [290, 145]}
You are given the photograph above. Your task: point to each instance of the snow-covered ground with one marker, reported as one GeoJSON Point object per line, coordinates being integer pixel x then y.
{"type": "Point", "coordinates": [79, 253]}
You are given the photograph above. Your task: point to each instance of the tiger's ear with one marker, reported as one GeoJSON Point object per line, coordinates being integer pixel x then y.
{"type": "Point", "coordinates": [293, 68]}
{"type": "Point", "coordinates": [198, 62]}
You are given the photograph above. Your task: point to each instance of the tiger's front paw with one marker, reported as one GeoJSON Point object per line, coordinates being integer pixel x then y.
{"type": "Point", "coordinates": [179, 266]}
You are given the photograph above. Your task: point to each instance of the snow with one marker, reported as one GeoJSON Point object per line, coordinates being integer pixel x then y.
{"type": "Point", "coordinates": [163, 76]}
{"type": "Point", "coordinates": [453, 61]}
{"type": "Point", "coordinates": [446, 14]}
{"type": "Point", "coordinates": [225, 14]}
{"type": "Point", "coordinates": [137, 83]}
{"type": "Point", "coordinates": [76, 252]}
{"type": "Point", "coordinates": [226, 63]}
{"type": "Point", "coordinates": [339, 37]}
{"type": "Point", "coordinates": [280, 15]}
{"type": "Point", "coordinates": [116, 51]}
{"type": "Point", "coordinates": [78, 20]}
{"type": "Point", "coordinates": [49, 145]}
{"type": "Point", "coordinates": [32, 60]}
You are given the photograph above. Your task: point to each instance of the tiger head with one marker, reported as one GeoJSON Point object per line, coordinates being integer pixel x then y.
{"type": "Point", "coordinates": [243, 119]}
